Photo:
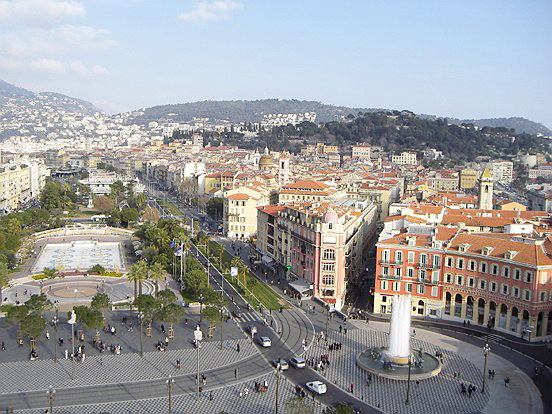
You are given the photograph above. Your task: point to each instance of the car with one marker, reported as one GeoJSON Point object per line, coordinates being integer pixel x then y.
{"type": "Point", "coordinates": [265, 342]}
{"type": "Point", "coordinates": [283, 364]}
{"type": "Point", "coordinates": [236, 314]}
{"type": "Point", "coordinates": [298, 362]}
{"type": "Point", "coordinates": [252, 329]}
{"type": "Point", "coordinates": [318, 387]}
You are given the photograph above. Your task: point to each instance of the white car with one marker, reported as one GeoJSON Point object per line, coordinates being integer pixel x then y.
{"type": "Point", "coordinates": [265, 342]}
{"type": "Point", "coordinates": [297, 362]}
{"type": "Point", "coordinates": [318, 387]}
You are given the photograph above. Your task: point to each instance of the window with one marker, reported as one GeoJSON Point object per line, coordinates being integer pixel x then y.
{"type": "Point", "coordinates": [422, 274]}
{"type": "Point", "coordinates": [483, 267]}
{"type": "Point", "coordinates": [398, 257]}
{"type": "Point", "coordinates": [434, 291]}
{"type": "Point", "coordinates": [410, 272]}
{"type": "Point", "coordinates": [448, 278]}
{"type": "Point", "coordinates": [471, 282]}
{"type": "Point", "coordinates": [544, 277]}
{"type": "Point", "coordinates": [421, 289]}
{"type": "Point", "coordinates": [423, 258]}
{"type": "Point", "coordinates": [494, 269]}
{"type": "Point", "coordinates": [459, 280]}
{"type": "Point", "coordinates": [529, 277]}
{"type": "Point", "coordinates": [385, 271]}
{"type": "Point", "coordinates": [383, 285]}
{"type": "Point", "coordinates": [494, 286]}
{"type": "Point", "coordinates": [505, 289]}
{"type": "Point", "coordinates": [436, 260]}
{"type": "Point", "coordinates": [329, 267]}
{"type": "Point", "coordinates": [482, 284]}
{"type": "Point", "coordinates": [460, 263]}
{"type": "Point", "coordinates": [411, 257]}
{"type": "Point", "coordinates": [385, 256]}
{"type": "Point", "coordinates": [396, 286]}
{"type": "Point", "coordinates": [517, 274]}
{"type": "Point", "coordinates": [398, 271]}
{"type": "Point", "coordinates": [472, 265]}
{"type": "Point", "coordinates": [329, 254]}
{"type": "Point", "coordinates": [409, 287]}
{"type": "Point", "coordinates": [505, 271]}
{"type": "Point", "coordinates": [542, 296]}
{"type": "Point", "coordinates": [328, 279]}
{"type": "Point", "coordinates": [526, 294]}
{"type": "Point", "coordinates": [435, 276]}
{"type": "Point", "coordinates": [450, 262]}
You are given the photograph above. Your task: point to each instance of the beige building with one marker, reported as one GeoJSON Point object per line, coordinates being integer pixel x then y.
{"type": "Point", "coordinates": [240, 211]}
{"type": "Point", "coordinates": [404, 158]}
{"type": "Point", "coordinates": [468, 179]}
{"type": "Point", "coordinates": [362, 151]}
{"type": "Point", "coordinates": [20, 183]}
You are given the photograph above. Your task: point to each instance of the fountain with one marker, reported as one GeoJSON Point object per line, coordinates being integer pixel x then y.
{"type": "Point", "coordinates": [398, 358]}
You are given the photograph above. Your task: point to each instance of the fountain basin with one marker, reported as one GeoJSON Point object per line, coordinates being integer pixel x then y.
{"type": "Point", "coordinates": [396, 368]}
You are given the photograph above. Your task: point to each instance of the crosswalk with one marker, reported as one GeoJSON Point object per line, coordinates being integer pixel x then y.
{"type": "Point", "coordinates": [249, 317]}
{"type": "Point", "coordinates": [493, 338]}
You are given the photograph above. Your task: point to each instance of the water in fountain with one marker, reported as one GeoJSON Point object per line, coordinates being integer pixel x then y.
{"type": "Point", "coordinates": [399, 334]}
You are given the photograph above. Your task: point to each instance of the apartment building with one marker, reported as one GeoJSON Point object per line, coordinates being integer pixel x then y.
{"type": "Point", "coordinates": [240, 211]}
{"type": "Point", "coordinates": [503, 171]}
{"type": "Point", "coordinates": [20, 183]}
{"type": "Point", "coordinates": [497, 280]}
{"type": "Point", "coordinates": [322, 244]}
{"type": "Point", "coordinates": [468, 178]}
{"type": "Point", "coordinates": [404, 158]}
{"type": "Point", "coordinates": [362, 151]}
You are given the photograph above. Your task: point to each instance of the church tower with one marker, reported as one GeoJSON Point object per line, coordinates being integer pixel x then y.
{"type": "Point", "coordinates": [283, 168]}
{"type": "Point", "coordinates": [486, 190]}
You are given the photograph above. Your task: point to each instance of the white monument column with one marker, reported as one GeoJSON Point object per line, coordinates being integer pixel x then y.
{"type": "Point", "coordinates": [399, 334]}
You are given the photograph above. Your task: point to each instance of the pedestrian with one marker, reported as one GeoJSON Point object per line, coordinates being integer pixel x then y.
{"type": "Point", "coordinates": [66, 353]}
{"type": "Point", "coordinates": [238, 348]}
{"type": "Point", "coordinates": [352, 388]}
{"type": "Point", "coordinates": [3, 346]}
{"type": "Point", "coordinates": [178, 364]}
{"type": "Point", "coordinates": [162, 328]}
{"type": "Point", "coordinates": [100, 361]}
{"type": "Point", "coordinates": [246, 391]}
{"type": "Point", "coordinates": [345, 331]}
{"type": "Point", "coordinates": [236, 373]}
{"type": "Point", "coordinates": [130, 328]}
{"type": "Point", "coordinates": [506, 381]}
{"type": "Point", "coordinates": [210, 395]}
{"type": "Point", "coordinates": [340, 328]}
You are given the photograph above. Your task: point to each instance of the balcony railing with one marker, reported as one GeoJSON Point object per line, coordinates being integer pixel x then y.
{"type": "Point", "coordinates": [391, 262]}
{"type": "Point", "coordinates": [427, 281]}
{"type": "Point", "coordinates": [428, 265]}
{"type": "Point", "coordinates": [389, 277]}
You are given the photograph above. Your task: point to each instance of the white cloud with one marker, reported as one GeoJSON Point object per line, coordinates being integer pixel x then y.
{"type": "Point", "coordinates": [210, 11]}
{"type": "Point", "coordinates": [39, 12]}
{"type": "Point", "coordinates": [74, 67]}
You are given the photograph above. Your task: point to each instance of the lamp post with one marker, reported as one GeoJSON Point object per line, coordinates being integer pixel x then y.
{"type": "Point", "coordinates": [55, 321]}
{"type": "Point", "coordinates": [198, 336]}
{"type": "Point", "coordinates": [170, 383]}
{"type": "Point", "coordinates": [51, 393]}
{"type": "Point", "coordinates": [408, 382]}
{"type": "Point", "coordinates": [40, 284]}
{"type": "Point", "coordinates": [327, 322]}
{"type": "Point", "coordinates": [72, 322]}
{"type": "Point", "coordinates": [141, 317]}
{"type": "Point", "coordinates": [486, 350]}
{"type": "Point", "coordinates": [278, 371]}
{"type": "Point", "coordinates": [201, 299]}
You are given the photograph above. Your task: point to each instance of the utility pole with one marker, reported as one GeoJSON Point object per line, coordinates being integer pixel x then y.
{"type": "Point", "coordinates": [408, 382]}
{"type": "Point", "coordinates": [55, 321]}
{"type": "Point", "coordinates": [51, 393]}
{"type": "Point", "coordinates": [170, 383]}
{"type": "Point", "coordinates": [198, 336]}
{"type": "Point", "coordinates": [141, 316]}
{"type": "Point", "coordinates": [486, 350]}
{"type": "Point", "coordinates": [278, 370]}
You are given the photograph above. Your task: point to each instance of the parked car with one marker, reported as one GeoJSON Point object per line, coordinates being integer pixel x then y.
{"type": "Point", "coordinates": [298, 362]}
{"type": "Point", "coordinates": [318, 387]}
{"type": "Point", "coordinates": [265, 342]}
{"type": "Point", "coordinates": [283, 364]}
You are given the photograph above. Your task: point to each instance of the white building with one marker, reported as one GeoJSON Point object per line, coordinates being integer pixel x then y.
{"type": "Point", "coordinates": [404, 158]}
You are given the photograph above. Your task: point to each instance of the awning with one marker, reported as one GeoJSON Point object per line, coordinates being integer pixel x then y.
{"type": "Point", "coordinates": [301, 286]}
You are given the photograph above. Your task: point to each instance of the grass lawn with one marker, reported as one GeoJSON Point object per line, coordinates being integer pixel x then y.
{"type": "Point", "coordinates": [169, 205]}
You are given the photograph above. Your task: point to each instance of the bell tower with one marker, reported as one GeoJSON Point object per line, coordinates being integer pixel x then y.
{"type": "Point", "coordinates": [486, 190]}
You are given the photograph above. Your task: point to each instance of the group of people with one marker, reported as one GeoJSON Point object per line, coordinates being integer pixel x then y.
{"type": "Point", "coordinates": [261, 386]}
{"type": "Point", "coordinates": [467, 390]}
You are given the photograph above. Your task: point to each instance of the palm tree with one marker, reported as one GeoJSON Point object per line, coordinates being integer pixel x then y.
{"type": "Point", "coordinates": [138, 273]}
{"type": "Point", "coordinates": [242, 269]}
{"type": "Point", "coordinates": [4, 279]}
{"type": "Point", "coordinates": [156, 273]}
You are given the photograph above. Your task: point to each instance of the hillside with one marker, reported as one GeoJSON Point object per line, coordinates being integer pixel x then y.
{"type": "Point", "coordinates": [253, 111]}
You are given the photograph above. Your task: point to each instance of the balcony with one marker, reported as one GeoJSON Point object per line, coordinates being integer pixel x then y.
{"type": "Point", "coordinates": [427, 281]}
{"type": "Point", "coordinates": [389, 277]}
{"type": "Point", "coordinates": [390, 262]}
{"type": "Point", "coordinates": [428, 266]}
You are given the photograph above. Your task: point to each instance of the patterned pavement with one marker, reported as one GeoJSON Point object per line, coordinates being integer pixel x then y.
{"type": "Point", "coordinates": [225, 400]}
{"type": "Point", "coordinates": [437, 395]}
{"type": "Point", "coordinates": [109, 368]}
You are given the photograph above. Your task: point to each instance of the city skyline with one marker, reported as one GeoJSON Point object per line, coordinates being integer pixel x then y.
{"type": "Point", "coordinates": [457, 60]}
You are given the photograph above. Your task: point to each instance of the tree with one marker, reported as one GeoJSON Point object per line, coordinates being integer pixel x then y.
{"type": "Point", "coordinates": [172, 313]}
{"type": "Point", "coordinates": [4, 278]}
{"type": "Point", "coordinates": [151, 214]}
{"type": "Point", "coordinates": [165, 297]}
{"type": "Point", "coordinates": [195, 280]}
{"type": "Point", "coordinates": [138, 273]}
{"type": "Point", "coordinates": [299, 405]}
{"type": "Point", "coordinates": [147, 305]}
{"type": "Point", "coordinates": [212, 314]}
{"type": "Point", "coordinates": [156, 273]}
{"type": "Point", "coordinates": [97, 268]}
{"type": "Point", "coordinates": [339, 408]}
{"type": "Point", "coordinates": [37, 303]}
{"type": "Point", "coordinates": [242, 269]}
{"type": "Point", "coordinates": [100, 301]}
{"type": "Point", "coordinates": [91, 318]}
{"type": "Point", "coordinates": [117, 191]}
{"type": "Point", "coordinates": [103, 204]}
{"type": "Point", "coordinates": [32, 326]}
{"type": "Point", "coordinates": [128, 215]}
{"type": "Point", "coordinates": [140, 200]}
{"type": "Point", "coordinates": [49, 272]}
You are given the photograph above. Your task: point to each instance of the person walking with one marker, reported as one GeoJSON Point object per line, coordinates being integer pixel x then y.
{"type": "Point", "coordinates": [210, 395]}
{"type": "Point", "coordinates": [178, 364]}
{"type": "Point", "coordinates": [238, 348]}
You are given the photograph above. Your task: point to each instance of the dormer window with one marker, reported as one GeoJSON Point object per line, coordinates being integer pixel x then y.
{"type": "Point", "coordinates": [412, 241]}
{"type": "Point", "coordinates": [486, 250]}
{"type": "Point", "coordinates": [510, 254]}
{"type": "Point", "coordinates": [464, 247]}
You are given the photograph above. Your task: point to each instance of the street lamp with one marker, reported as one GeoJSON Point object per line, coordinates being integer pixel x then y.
{"type": "Point", "coordinates": [170, 384]}
{"type": "Point", "coordinates": [277, 373]}
{"type": "Point", "coordinates": [40, 283]}
{"type": "Point", "coordinates": [198, 336]}
{"type": "Point", "coordinates": [201, 299]}
{"type": "Point", "coordinates": [141, 317]}
{"type": "Point", "coordinates": [51, 393]}
{"type": "Point", "coordinates": [72, 322]}
{"type": "Point", "coordinates": [408, 383]}
{"type": "Point", "coordinates": [486, 350]}
{"type": "Point", "coordinates": [55, 321]}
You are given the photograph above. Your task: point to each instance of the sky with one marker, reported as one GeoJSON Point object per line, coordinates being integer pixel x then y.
{"type": "Point", "coordinates": [457, 58]}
